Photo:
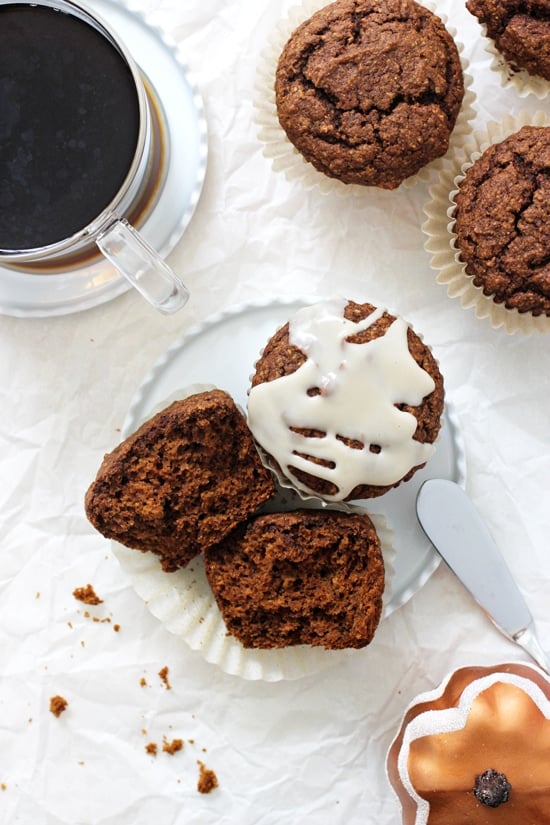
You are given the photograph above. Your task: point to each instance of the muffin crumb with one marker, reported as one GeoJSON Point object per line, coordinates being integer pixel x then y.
{"type": "Point", "coordinates": [207, 779]}
{"type": "Point", "coordinates": [58, 704]}
{"type": "Point", "coordinates": [172, 747]}
{"type": "Point", "coordinates": [87, 595]}
{"type": "Point", "coordinates": [163, 673]}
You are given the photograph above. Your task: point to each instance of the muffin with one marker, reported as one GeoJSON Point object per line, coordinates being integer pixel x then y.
{"type": "Point", "coordinates": [368, 91]}
{"type": "Point", "coordinates": [306, 577]}
{"type": "Point", "coordinates": [501, 221]}
{"type": "Point", "coordinates": [182, 482]}
{"type": "Point", "coordinates": [346, 401]}
{"type": "Point", "coordinates": [520, 32]}
{"type": "Point", "coordinates": [476, 750]}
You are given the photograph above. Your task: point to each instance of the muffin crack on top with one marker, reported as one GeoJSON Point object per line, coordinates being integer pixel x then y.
{"type": "Point", "coordinates": [501, 221]}
{"type": "Point", "coordinates": [369, 92]}
{"type": "Point", "coordinates": [520, 31]}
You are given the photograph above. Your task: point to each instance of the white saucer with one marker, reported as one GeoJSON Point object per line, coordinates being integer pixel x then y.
{"type": "Point", "coordinates": [161, 61]}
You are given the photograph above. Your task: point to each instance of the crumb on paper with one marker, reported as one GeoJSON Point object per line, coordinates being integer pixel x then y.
{"type": "Point", "coordinates": [96, 619]}
{"type": "Point", "coordinates": [3, 786]}
{"type": "Point", "coordinates": [143, 681]}
{"type": "Point", "coordinates": [172, 747]}
{"type": "Point", "coordinates": [116, 628]}
{"type": "Point", "coordinates": [87, 595]}
{"type": "Point", "coordinates": [163, 673]}
{"type": "Point", "coordinates": [57, 705]}
{"type": "Point", "coordinates": [37, 594]}
{"type": "Point", "coordinates": [207, 778]}
{"type": "Point", "coordinates": [151, 748]}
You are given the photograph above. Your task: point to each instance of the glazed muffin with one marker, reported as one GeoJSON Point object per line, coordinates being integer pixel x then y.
{"type": "Point", "coordinates": [368, 91]}
{"type": "Point", "coordinates": [182, 482]}
{"type": "Point", "coordinates": [475, 751]}
{"type": "Point", "coordinates": [306, 577]}
{"type": "Point", "coordinates": [520, 32]}
{"type": "Point", "coordinates": [346, 401]}
{"type": "Point", "coordinates": [501, 221]}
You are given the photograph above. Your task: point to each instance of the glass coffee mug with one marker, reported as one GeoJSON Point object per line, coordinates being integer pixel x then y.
{"type": "Point", "coordinates": [76, 148]}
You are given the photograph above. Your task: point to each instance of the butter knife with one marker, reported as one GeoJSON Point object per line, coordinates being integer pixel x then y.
{"type": "Point", "coordinates": [458, 533]}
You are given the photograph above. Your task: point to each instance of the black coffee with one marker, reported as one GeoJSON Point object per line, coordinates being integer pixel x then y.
{"type": "Point", "coordinates": [69, 123]}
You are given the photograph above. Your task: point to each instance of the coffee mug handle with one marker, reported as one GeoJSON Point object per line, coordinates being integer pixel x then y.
{"type": "Point", "coordinates": [125, 248]}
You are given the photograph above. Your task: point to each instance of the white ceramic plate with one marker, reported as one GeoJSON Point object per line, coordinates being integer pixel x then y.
{"type": "Point", "coordinates": [222, 351]}
{"type": "Point", "coordinates": [163, 63]}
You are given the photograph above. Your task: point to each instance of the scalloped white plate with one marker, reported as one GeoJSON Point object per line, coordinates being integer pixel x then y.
{"type": "Point", "coordinates": [222, 351]}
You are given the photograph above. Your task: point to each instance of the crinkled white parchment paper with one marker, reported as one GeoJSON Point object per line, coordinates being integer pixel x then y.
{"type": "Point", "coordinates": [310, 751]}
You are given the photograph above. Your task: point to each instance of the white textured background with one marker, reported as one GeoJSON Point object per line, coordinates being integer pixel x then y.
{"type": "Point", "coordinates": [311, 751]}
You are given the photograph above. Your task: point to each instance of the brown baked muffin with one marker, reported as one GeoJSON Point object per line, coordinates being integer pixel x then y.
{"type": "Point", "coordinates": [502, 216]}
{"type": "Point", "coordinates": [183, 481]}
{"type": "Point", "coordinates": [520, 31]}
{"type": "Point", "coordinates": [368, 91]}
{"type": "Point", "coordinates": [310, 577]}
{"type": "Point", "coordinates": [346, 400]}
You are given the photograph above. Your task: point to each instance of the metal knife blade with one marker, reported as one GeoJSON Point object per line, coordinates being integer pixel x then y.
{"type": "Point", "coordinates": [458, 533]}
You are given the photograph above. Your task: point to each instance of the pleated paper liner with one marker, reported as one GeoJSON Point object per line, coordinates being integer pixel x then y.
{"type": "Point", "coordinates": [440, 237]}
{"type": "Point", "coordinates": [277, 147]}
{"type": "Point", "coordinates": [184, 603]}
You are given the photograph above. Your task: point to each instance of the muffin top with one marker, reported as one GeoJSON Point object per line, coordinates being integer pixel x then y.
{"type": "Point", "coordinates": [369, 90]}
{"type": "Point", "coordinates": [501, 221]}
{"type": "Point", "coordinates": [520, 31]}
{"type": "Point", "coordinates": [346, 400]}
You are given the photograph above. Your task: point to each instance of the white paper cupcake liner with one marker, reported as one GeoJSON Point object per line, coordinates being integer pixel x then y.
{"type": "Point", "coordinates": [283, 154]}
{"type": "Point", "coordinates": [520, 80]}
{"type": "Point", "coordinates": [183, 601]}
{"type": "Point", "coordinates": [440, 237]}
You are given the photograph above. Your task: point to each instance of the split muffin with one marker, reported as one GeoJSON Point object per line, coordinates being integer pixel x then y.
{"type": "Point", "coordinates": [305, 577]}
{"type": "Point", "coordinates": [182, 482]}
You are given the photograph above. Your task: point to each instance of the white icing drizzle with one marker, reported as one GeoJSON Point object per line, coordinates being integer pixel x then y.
{"type": "Point", "coordinates": [360, 385]}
